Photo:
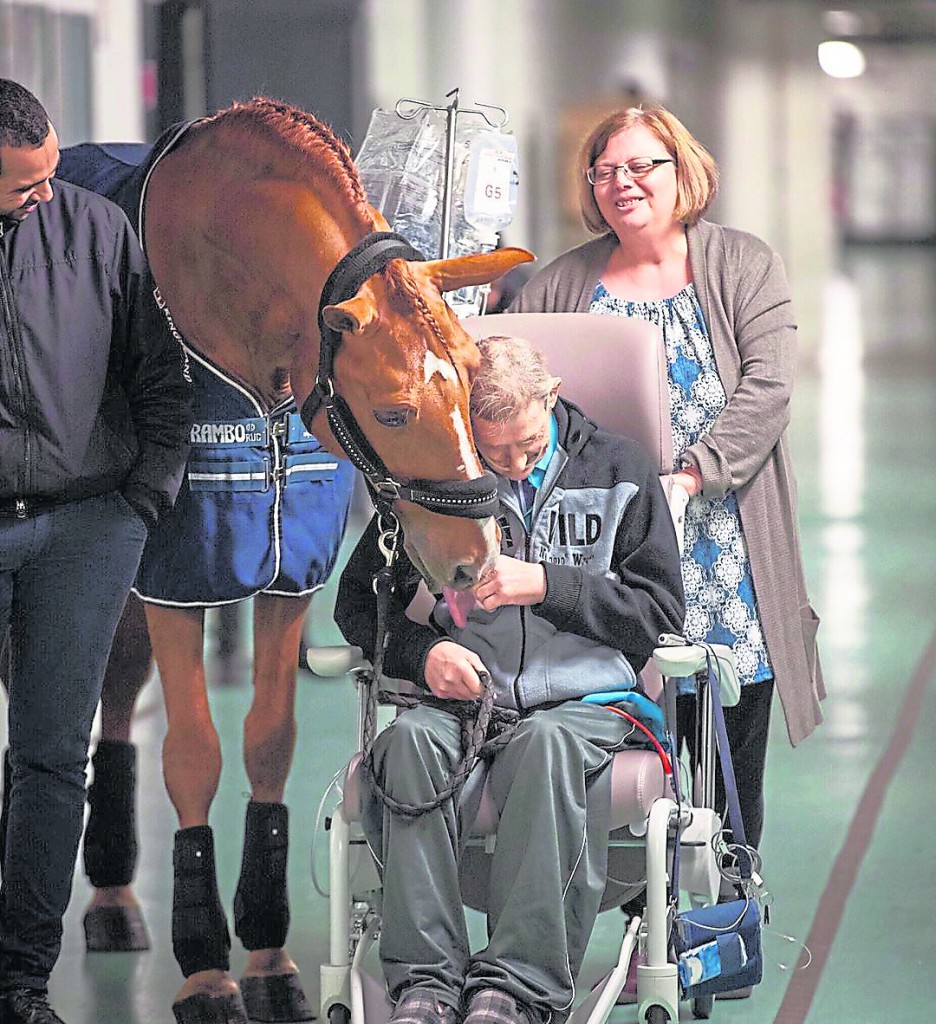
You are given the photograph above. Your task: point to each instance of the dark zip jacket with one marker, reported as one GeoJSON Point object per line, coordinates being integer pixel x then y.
{"type": "Point", "coordinates": [93, 395]}
{"type": "Point", "coordinates": [604, 534]}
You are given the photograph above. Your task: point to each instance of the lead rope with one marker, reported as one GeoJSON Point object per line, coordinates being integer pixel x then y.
{"type": "Point", "coordinates": [477, 718]}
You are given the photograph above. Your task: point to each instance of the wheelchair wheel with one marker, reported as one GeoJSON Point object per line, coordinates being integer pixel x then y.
{"type": "Point", "coordinates": [338, 1014]}
{"type": "Point", "coordinates": [702, 1007]}
{"type": "Point", "coordinates": [657, 1015]}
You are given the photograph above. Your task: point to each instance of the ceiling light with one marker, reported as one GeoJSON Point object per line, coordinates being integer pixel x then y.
{"type": "Point", "coordinates": [840, 59]}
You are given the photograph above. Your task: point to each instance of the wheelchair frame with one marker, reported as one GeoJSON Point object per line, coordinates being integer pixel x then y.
{"type": "Point", "coordinates": [352, 995]}
{"type": "Point", "coordinates": [620, 379]}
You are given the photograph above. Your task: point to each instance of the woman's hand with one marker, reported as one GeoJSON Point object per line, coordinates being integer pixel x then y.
{"type": "Point", "coordinates": [511, 581]}
{"type": "Point", "coordinates": [453, 672]}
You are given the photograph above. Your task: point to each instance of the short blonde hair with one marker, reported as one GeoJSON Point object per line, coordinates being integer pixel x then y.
{"type": "Point", "coordinates": [696, 170]}
{"type": "Point", "coordinates": [511, 376]}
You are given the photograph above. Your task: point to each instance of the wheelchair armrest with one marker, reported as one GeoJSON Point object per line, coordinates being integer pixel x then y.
{"type": "Point", "coordinates": [330, 662]}
{"type": "Point", "coordinates": [686, 659]}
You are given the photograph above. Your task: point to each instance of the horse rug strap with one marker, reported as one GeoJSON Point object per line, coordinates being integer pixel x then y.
{"type": "Point", "coordinates": [262, 507]}
{"type": "Point", "coordinates": [469, 499]}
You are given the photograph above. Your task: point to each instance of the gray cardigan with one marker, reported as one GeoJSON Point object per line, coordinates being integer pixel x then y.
{"type": "Point", "coordinates": [745, 299]}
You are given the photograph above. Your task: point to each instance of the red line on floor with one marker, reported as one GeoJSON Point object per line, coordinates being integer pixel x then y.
{"type": "Point", "coordinates": [802, 988]}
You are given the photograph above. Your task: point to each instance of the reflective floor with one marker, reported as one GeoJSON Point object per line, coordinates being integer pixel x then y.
{"type": "Point", "coordinates": [850, 813]}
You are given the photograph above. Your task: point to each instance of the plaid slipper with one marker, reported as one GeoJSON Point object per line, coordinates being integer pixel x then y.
{"type": "Point", "coordinates": [495, 1006]}
{"type": "Point", "coordinates": [421, 1006]}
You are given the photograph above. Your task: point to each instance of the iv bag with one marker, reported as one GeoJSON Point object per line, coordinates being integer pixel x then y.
{"type": "Point", "coordinates": [402, 166]}
{"type": "Point", "coordinates": [492, 183]}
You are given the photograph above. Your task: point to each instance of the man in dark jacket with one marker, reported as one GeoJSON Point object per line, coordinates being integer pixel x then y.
{"type": "Point", "coordinates": [587, 579]}
{"type": "Point", "coordinates": [94, 421]}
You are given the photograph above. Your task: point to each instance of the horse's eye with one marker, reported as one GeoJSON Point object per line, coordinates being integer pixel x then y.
{"type": "Point", "coordinates": [392, 417]}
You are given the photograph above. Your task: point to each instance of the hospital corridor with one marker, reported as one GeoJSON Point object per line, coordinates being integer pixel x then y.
{"type": "Point", "coordinates": [850, 812]}
{"type": "Point", "coordinates": [819, 118]}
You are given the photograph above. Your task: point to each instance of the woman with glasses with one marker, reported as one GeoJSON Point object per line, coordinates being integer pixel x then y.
{"type": "Point", "coordinates": [721, 299]}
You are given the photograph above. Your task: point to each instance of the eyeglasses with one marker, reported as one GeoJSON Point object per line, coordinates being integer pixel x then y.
{"type": "Point", "coordinates": [633, 169]}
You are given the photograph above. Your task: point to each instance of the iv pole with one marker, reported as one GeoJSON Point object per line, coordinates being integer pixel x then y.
{"type": "Point", "coordinates": [409, 108]}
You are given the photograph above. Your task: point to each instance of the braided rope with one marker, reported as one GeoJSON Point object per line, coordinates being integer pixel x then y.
{"type": "Point", "coordinates": [485, 729]}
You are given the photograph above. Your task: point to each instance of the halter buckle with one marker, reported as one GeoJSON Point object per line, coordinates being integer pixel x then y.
{"type": "Point", "coordinates": [387, 489]}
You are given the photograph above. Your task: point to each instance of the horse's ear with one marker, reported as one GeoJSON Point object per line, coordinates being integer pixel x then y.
{"type": "Point", "coordinates": [462, 271]}
{"type": "Point", "coordinates": [353, 316]}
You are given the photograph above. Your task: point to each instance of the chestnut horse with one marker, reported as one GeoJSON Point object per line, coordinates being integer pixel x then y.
{"type": "Point", "coordinates": [273, 268]}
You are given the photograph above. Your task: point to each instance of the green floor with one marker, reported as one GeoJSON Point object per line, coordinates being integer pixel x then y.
{"type": "Point", "coordinates": [864, 452]}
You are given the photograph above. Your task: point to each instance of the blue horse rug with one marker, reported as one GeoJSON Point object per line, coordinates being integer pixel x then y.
{"type": "Point", "coordinates": [263, 506]}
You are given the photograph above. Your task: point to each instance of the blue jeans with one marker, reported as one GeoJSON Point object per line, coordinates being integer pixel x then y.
{"type": "Point", "coordinates": [64, 577]}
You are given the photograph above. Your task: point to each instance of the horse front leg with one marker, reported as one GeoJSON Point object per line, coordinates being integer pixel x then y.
{"type": "Point", "coordinates": [113, 921]}
{"type": "Point", "coordinates": [192, 769]}
{"type": "Point", "coordinates": [270, 984]}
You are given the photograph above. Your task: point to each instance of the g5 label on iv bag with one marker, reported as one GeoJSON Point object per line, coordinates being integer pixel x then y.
{"type": "Point", "coordinates": [492, 181]}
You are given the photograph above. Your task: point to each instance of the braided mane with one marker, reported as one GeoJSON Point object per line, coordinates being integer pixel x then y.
{"type": "Point", "coordinates": [405, 296]}
{"type": "Point", "coordinates": [315, 150]}
{"type": "Point", "coordinates": [301, 137]}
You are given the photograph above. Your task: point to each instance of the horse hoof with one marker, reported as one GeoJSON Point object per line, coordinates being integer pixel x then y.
{"type": "Point", "coordinates": [203, 1008]}
{"type": "Point", "coordinates": [115, 930]}
{"type": "Point", "coordinates": [277, 998]}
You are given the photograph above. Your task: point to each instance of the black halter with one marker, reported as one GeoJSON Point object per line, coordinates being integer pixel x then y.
{"type": "Point", "coordinates": [469, 499]}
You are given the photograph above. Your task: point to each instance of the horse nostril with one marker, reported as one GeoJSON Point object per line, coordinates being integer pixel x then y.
{"type": "Point", "coordinates": [463, 578]}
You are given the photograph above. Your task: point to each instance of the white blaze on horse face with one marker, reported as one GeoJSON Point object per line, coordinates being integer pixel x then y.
{"type": "Point", "coordinates": [470, 461]}
{"type": "Point", "coordinates": [432, 365]}
{"type": "Point", "coordinates": [442, 367]}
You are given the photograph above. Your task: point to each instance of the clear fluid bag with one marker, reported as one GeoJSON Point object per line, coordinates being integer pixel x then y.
{"type": "Point", "coordinates": [402, 166]}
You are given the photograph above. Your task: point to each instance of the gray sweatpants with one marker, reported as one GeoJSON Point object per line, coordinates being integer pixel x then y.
{"type": "Point", "coordinates": [548, 870]}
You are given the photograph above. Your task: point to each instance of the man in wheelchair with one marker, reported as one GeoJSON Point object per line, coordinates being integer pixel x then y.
{"type": "Point", "coordinates": [587, 580]}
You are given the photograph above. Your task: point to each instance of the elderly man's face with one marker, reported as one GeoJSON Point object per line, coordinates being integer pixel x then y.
{"type": "Point", "coordinates": [512, 449]}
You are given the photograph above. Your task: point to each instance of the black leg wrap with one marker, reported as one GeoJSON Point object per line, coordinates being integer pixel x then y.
{"type": "Point", "coordinates": [200, 937]}
{"type": "Point", "coordinates": [261, 903]}
{"type": "Point", "coordinates": [110, 840]}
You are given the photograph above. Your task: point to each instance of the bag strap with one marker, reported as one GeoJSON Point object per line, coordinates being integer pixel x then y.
{"type": "Point", "coordinates": [728, 775]}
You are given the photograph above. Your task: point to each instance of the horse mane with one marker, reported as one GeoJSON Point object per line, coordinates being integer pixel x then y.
{"type": "Point", "coordinates": [404, 295]}
{"type": "Point", "coordinates": [302, 138]}
{"type": "Point", "coordinates": [317, 150]}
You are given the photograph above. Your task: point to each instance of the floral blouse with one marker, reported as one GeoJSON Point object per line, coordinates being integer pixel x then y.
{"type": "Point", "coordinates": [720, 602]}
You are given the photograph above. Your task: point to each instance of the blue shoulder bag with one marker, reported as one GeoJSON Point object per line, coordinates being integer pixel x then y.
{"type": "Point", "coordinates": [718, 948]}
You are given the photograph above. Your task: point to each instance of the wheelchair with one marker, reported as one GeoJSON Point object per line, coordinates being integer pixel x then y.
{"type": "Point", "coordinates": [620, 381]}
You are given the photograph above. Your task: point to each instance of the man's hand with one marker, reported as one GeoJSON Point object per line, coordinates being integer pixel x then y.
{"type": "Point", "coordinates": [453, 672]}
{"type": "Point", "coordinates": [691, 481]}
{"type": "Point", "coordinates": [511, 581]}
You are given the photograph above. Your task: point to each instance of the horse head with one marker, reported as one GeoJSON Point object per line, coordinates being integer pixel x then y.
{"type": "Point", "coordinates": [247, 220]}
{"type": "Point", "coordinates": [404, 368]}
